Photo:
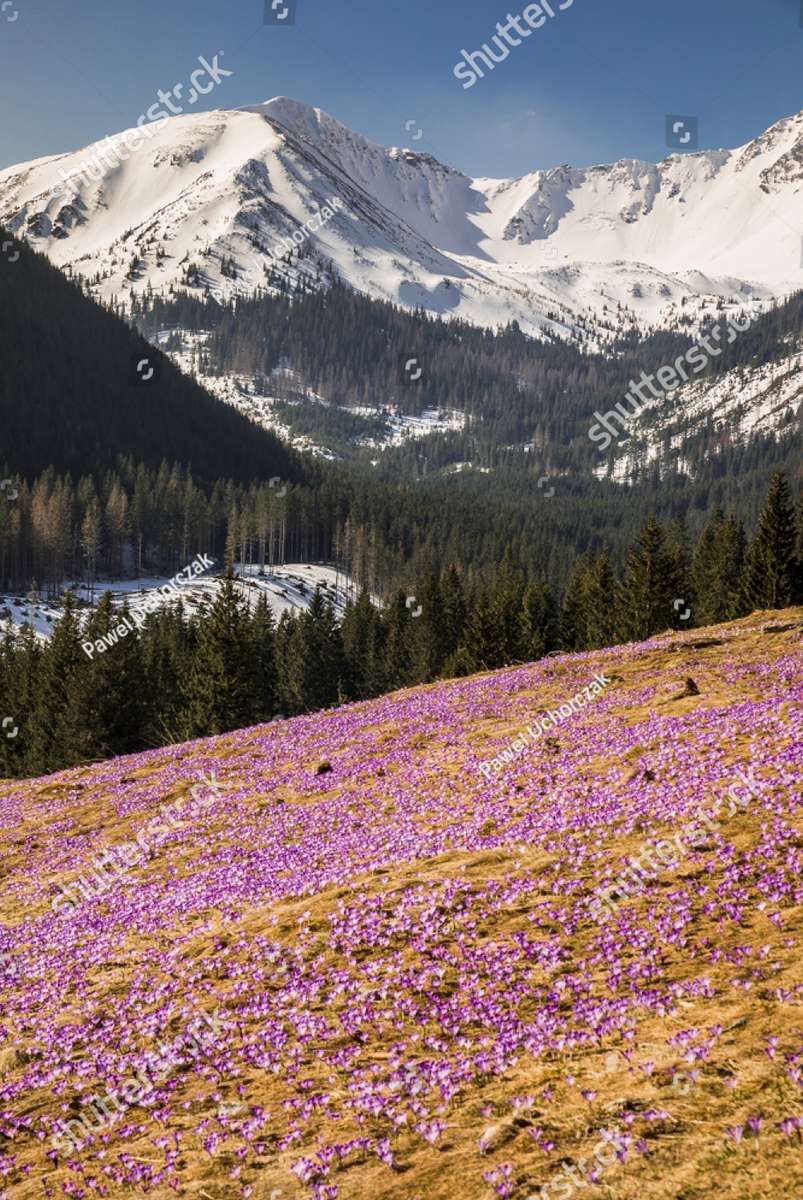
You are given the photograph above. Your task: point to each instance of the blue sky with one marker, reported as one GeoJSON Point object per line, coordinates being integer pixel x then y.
{"type": "Point", "coordinates": [594, 84]}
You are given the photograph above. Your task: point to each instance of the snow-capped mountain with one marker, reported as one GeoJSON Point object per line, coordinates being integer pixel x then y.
{"type": "Point", "coordinates": [218, 198]}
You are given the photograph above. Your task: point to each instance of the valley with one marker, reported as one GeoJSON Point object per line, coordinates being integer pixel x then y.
{"type": "Point", "coordinates": [401, 601]}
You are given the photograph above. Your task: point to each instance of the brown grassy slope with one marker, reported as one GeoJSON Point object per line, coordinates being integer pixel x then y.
{"type": "Point", "coordinates": [689, 1157]}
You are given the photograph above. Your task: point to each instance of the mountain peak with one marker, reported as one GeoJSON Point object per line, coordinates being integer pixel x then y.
{"type": "Point", "coordinates": [239, 185]}
{"type": "Point", "coordinates": [288, 109]}
{"type": "Point", "coordinates": [307, 121]}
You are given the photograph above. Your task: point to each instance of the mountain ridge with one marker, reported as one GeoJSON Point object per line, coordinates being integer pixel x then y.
{"type": "Point", "coordinates": [644, 240]}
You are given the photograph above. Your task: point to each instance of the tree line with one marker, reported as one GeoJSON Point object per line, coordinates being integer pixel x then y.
{"type": "Point", "coordinates": [230, 666]}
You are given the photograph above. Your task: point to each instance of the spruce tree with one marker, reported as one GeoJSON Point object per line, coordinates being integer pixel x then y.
{"type": "Point", "coordinates": [453, 610]}
{"type": "Point", "coordinates": [677, 547]}
{"type": "Point", "coordinates": [322, 660]}
{"type": "Point", "coordinates": [289, 674]}
{"type": "Point", "coordinates": [799, 552]}
{"type": "Point", "coordinates": [220, 689]}
{"type": "Point", "coordinates": [770, 573]}
{"type": "Point", "coordinates": [716, 570]}
{"type": "Point", "coordinates": [573, 615]}
{"type": "Point", "coordinates": [482, 648]}
{"type": "Point", "coordinates": [706, 599]}
{"type": "Point", "coordinates": [398, 643]}
{"type": "Point", "coordinates": [168, 642]}
{"type": "Point", "coordinates": [537, 622]}
{"type": "Point", "coordinates": [363, 647]}
{"type": "Point", "coordinates": [729, 552]}
{"type": "Point", "coordinates": [429, 633]}
{"type": "Point", "coordinates": [651, 586]}
{"type": "Point", "coordinates": [113, 699]}
{"type": "Point", "coordinates": [59, 736]}
{"type": "Point", "coordinates": [20, 681]}
{"type": "Point", "coordinates": [263, 635]}
{"type": "Point", "coordinates": [600, 600]}
{"type": "Point", "coordinates": [506, 603]}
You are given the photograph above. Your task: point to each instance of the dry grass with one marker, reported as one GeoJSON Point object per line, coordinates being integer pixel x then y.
{"type": "Point", "coordinates": [689, 1157]}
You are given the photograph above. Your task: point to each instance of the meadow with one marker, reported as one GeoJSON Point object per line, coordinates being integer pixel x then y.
{"type": "Point", "coordinates": [404, 986]}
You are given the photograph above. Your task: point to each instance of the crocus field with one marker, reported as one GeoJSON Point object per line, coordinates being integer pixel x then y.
{"type": "Point", "coordinates": [413, 999]}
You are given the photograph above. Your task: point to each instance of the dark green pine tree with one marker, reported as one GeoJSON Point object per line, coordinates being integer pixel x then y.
{"type": "Point", "coordinates": [263, 634]}
{"type": "Point", "coordinates": [677, 546]}
{"type": "Point", "coordinates": [113, 700]}
{"type": "Point", "coordinates": [429, 634]}
{"type": "Point", "coordinates": [364, 649]}
{"type": "Point", "coordinates": [573, 615]}
{"type": "Point", "coordinates": [730, 551]}
{"type": "Point", "coordinates": [600, 597]}
{"type": "Point", "coordinates": [453, 612]}
{"type": "Point", "coordinates": [482, 648]}
{"type": "Point", "coordinates": [651, 586]}
{"type": "Point", "coordinates": [398, 649]}
{"type": "Point", "coordinates": [538, 622]}
{"type": "Point", "coordinates": [769, 579]}
{"type": "Point", "coordinates": [716, 570]}
{"type": "Point", "coordinates": [20, 679]}
{"type": "Point", "coordinates": [289, 674]}
{"type": "Point", "coordinates": [59, 736]}
{"type": "Point", "coordinates": [506, 601]}
{"type": "Point", "coordinates": [167, 643]}
{"type": "Point", "coordinates": [705, 597]}
{"type": "Point", "coordinates": [799, 552]}
{"type": "Point", "coordinates": [220, 689]}
{"type": "Point", "coordinates": [322, 659]}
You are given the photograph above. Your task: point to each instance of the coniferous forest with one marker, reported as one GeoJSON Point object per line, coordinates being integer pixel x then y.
{"type": "Point", "coordinates": [519, 397]}
{"type": "Point", "coordinates": [106, 478]}
{"type": "Point", "coordinates": [230, 667]}
{"type": "Point", "coordinates": [115, 477]}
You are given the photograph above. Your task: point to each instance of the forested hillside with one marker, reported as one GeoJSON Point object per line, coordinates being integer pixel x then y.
{"type": "Point", "coordinates": [104, 686]}
{"type": "Point", "coordinates": [520, 397]}
{"type": "Point", "coordinates": [71, 398]}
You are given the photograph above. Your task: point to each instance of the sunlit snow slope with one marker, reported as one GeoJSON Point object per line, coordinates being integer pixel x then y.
{"type": "Point", "coordinates": [209, 189]}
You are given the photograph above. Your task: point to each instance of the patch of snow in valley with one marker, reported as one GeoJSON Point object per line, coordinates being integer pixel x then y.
{"type": "Point", "coordinates": [288, 589]}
